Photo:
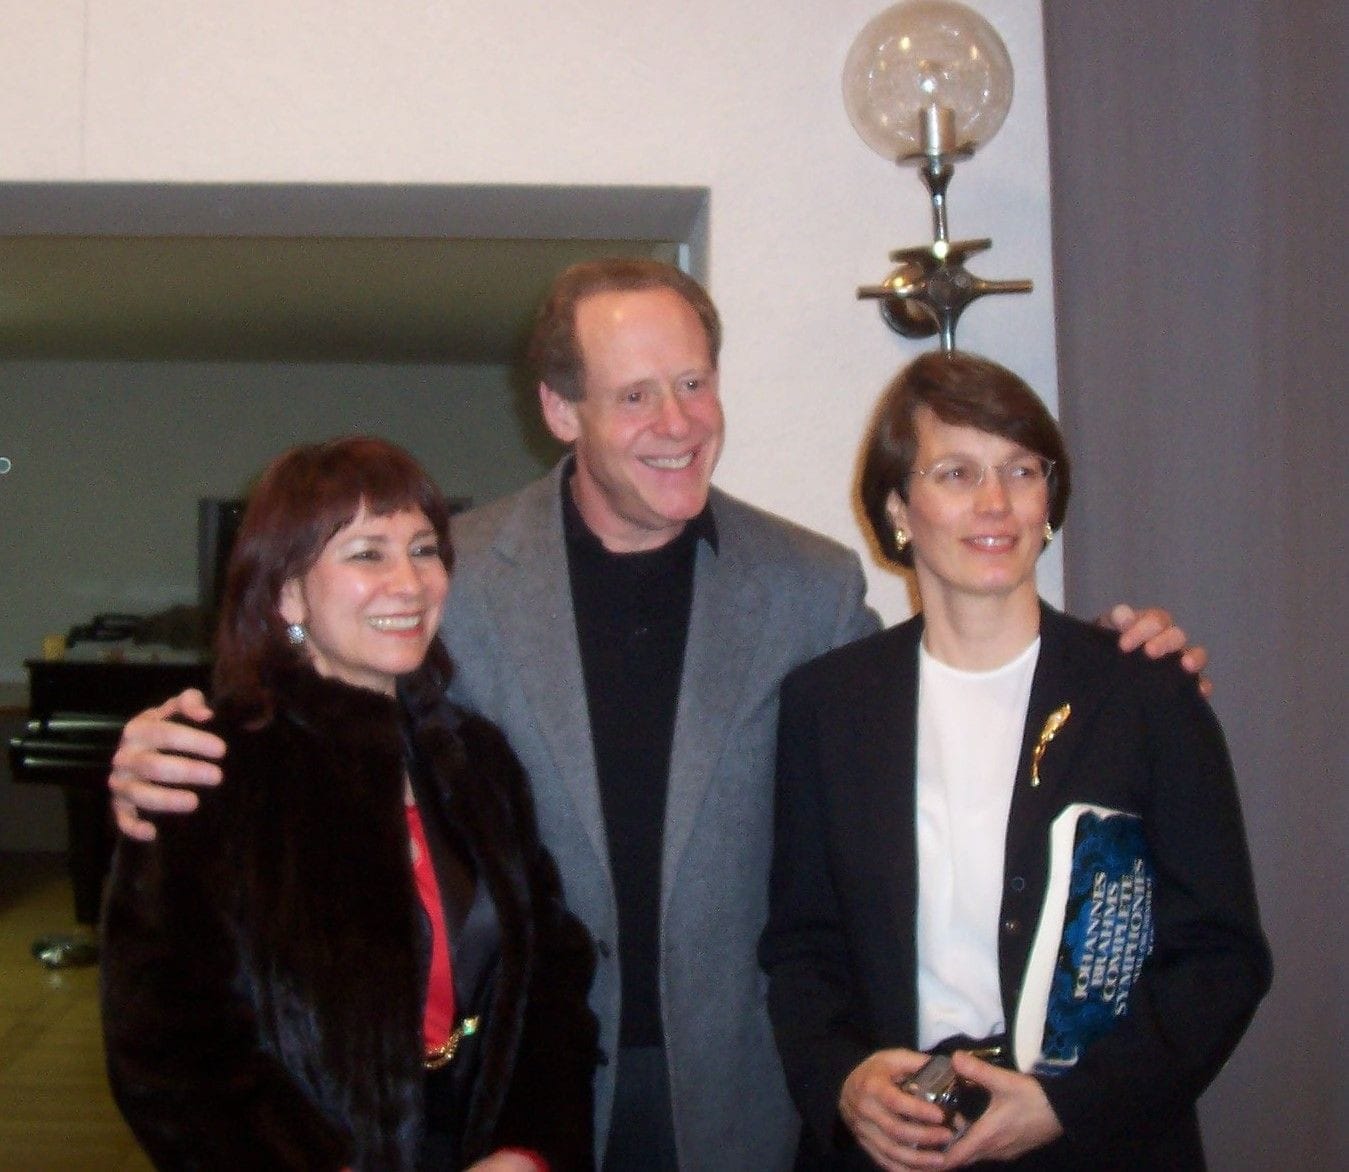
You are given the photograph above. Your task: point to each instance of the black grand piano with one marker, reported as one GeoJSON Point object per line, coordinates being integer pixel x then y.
{"type": "Point", "coordinates": [118, 665]}
{"type": "Point", "coordinates": [76, 710]}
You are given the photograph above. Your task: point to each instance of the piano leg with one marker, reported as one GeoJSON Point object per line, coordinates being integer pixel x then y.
{"type": "Point", "coordinates": [90, 848]}
{"type": "Point", "coordinates": [88, 854]}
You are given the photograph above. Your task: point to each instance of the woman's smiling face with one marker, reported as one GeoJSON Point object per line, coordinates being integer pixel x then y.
{"type": "Point", "coordinates": [371, 603]}
{"type": "Point", "coordinates": [972, 540]}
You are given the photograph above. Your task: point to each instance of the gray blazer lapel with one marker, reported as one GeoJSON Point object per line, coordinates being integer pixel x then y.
{"type": "Point", "coordinates": [725, 624]}
{"type": "Point", "coordinates": [533, 610]}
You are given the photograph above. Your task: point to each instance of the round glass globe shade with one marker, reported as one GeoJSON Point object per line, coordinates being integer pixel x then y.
{"type": "Point", "coordinates": [923, 53]}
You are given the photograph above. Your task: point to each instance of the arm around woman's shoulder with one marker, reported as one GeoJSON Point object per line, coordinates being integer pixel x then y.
{"type": "Point", "coordinates": [184, 1059]}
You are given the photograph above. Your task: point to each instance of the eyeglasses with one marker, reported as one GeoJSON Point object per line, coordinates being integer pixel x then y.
{"type": "Point", "coordinates": [960, 476]}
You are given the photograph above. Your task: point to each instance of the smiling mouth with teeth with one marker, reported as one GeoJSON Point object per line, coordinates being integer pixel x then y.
{"type": "Point", "coordinates": [669, 463]}
{"type": "Point", "coordinates": [396, 622]}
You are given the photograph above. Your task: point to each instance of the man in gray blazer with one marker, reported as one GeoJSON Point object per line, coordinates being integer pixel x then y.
{"type": "Point", "coordinates": [628, 627]}
{"type": "Point", "coordinates": [767, 596]}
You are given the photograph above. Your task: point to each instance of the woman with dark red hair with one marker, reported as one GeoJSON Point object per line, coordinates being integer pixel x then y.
{"type": "Point", "coordinates": [357, 955]}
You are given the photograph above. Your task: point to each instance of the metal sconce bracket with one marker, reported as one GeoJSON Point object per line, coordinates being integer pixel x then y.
{"type": "Point", "coordinates": [931, 287]}
{"type": "Point", "coordinates": [927, 293]}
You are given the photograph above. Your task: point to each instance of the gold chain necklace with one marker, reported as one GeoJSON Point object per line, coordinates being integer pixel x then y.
{"type": "Point", "coordinates": [443, 1053]}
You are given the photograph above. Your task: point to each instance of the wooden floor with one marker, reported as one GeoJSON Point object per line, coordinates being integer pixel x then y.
{"type": "Point", "coordinates": [55, 1111]}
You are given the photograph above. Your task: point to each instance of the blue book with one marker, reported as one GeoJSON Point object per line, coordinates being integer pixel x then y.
{"type": "Point", "coordinates": [1094, 934]}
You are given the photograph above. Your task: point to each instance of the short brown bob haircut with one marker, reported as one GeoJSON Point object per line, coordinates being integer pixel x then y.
{"type": "Point", "coordinates": [302, 499]}
{"type": "Point", "coordinates": [554, 353]}
{"type": "Point", "coordinates": [966, 391]}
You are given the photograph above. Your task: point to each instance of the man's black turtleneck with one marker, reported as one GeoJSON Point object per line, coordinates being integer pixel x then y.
{"type": "Point", "coordinates": [632, 621]}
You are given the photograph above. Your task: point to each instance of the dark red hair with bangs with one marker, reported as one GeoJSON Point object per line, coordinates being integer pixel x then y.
{"type": "Point", "coordinates": [302, 500]}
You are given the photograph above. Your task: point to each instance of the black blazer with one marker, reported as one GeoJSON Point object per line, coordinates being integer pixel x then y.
{"type": "Point", "coordinates": [842, 964]}
{"type": "Point", "coordinates": [265, 960]}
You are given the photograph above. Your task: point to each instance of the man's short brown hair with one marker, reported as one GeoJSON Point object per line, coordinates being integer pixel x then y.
{"type": "Point", "coordinates": [554, 352]}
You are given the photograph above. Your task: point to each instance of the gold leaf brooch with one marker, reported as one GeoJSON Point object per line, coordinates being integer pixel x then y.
{"type": "Point", "coordinates": [1055, 721]}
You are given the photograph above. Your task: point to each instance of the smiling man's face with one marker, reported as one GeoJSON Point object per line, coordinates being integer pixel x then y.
{"type": "Point", "coordinates": [648, 429]}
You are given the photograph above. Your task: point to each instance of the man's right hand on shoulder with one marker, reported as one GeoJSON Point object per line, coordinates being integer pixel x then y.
{"type": "Point", "coordinates": [156, 757]}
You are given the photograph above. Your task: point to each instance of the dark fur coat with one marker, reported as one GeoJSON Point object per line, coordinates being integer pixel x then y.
{"type": "Point", "coordinates": [265, 960]}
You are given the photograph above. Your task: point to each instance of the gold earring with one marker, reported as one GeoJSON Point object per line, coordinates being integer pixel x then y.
{"type": "Point", "coordinates": [1049, 533]}
{"type": "Point", "coordinates": [901, 539]}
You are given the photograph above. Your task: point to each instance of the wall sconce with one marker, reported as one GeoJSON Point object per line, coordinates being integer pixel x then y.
{"type": "Point", "coordinates": [928, 82]}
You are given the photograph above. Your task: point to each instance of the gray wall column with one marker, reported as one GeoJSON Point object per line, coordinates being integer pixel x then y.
{"type": "Point", "coordinates": [1199, 166]}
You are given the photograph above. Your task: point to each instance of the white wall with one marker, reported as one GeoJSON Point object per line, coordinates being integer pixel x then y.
{"type": "Point", "coordinates": [742, 98]}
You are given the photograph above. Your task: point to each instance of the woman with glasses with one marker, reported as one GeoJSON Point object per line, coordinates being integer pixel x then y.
{"type": "Point", "coordinates": [356, 954]}
{"type": "Point", "coordinates": [999, 838]}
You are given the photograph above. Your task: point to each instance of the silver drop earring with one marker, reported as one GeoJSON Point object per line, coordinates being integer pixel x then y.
{"type": "Point", "coordinates": [296, 634]}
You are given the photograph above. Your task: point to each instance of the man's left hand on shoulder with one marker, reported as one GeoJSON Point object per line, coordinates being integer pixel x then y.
{"type": "Point", "coordinates": [1154, 630]}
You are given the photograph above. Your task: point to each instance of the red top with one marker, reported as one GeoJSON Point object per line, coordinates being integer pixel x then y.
{"type": "Point", "coordinates": [438, 1019]}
